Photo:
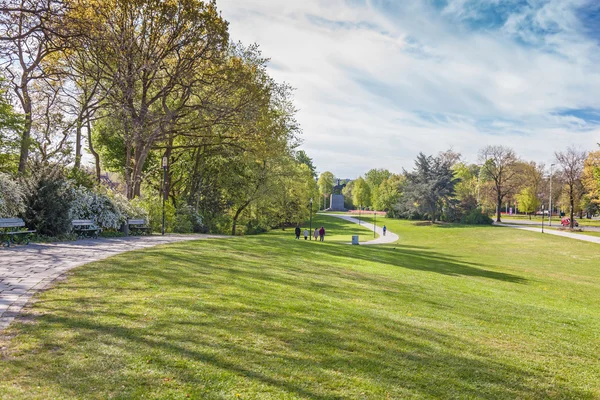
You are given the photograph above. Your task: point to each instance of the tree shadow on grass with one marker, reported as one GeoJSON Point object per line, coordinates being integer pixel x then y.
{"type": "Point", "coordinates": [218, 319]}
{"type": "Point", "coordinates": [309, 355]}
{"type": "Point", "coordinates": [401, 256]}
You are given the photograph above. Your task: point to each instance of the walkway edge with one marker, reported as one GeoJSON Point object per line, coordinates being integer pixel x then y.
{"type": "Point", "coordinates": [584, 238]}
{"type": "Point", "coordinates": [389, 237]}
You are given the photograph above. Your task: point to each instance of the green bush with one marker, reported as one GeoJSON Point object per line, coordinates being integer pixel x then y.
{"type": "Point", "coordinates": [11, 197]}
{"type": "Point", "coordinates": [187, 220]}
{"type": "Point", "coordinates": [48, 198]}
{"type": "Point", "coordinates": [476, 217]}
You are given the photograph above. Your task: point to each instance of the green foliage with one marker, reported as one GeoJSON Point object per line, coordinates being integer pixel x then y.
{"type": "Point", "coordinates": [303, 158]}
{"type": "Point", "coordinates": [187, 220]}
{"type": "Point", "coordinates": [389, 193]}
{"type": "Point", "coordinates": [11, 197]}
{"type": "Point", "coordinates": [430, 187]}
{"type": "Point", "coordinates": [528, 200]}
{"type": "Point", "coordinates": [325, 184]}
{"type": "Point", "coordinates": [10, 125]}
{"type": "Point", "coordinates": [476, 217]}
{"type": "Point", "coordinates": [154, 209]}
{"type": "Point", "coordinates": [82, 177]}
{"type": "Point", "coordinates": [361, 193]}
{"type": "Point", "coordinates": [48, 199]}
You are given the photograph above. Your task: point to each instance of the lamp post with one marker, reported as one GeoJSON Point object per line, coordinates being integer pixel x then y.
{"type": "Point", "coordinates": [550, 207]}
{"type": "Point", "coordinates": [375, 224]}
{"type": "Point", "coordinates": [543, 218]}
{"type": "Point", "coordinates": [165, 163]}
{"type": "Point", "coordinates": [311, 232]}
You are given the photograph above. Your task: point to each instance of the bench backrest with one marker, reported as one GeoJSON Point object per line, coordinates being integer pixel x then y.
{"type": "Point", "coordinates": [82, 222]}
{"type": "Point", "coordinates": [11, 223]}
{"type": "Point", "coordinates": [136, 222]}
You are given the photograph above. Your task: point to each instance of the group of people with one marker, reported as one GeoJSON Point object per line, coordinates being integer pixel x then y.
{"type": "Point", "coordinates": [319, 233]}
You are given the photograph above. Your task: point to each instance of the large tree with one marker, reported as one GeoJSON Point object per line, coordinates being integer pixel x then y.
{"type": "Point", "coordinates": [430, 186]}
{"type": "Point", "coordinates": [31, 32]}
{"type": "Point", "coordinates": [591, 177]}
{"type": "Point", "coordinates": [499, 166]}
{"type": "Point", "coordinates": [571, 164]}
{"type": "Point", "coordinates": [361, 193]}
{"type": "Point", "coordinates": [325, 184]}
{"type": "Point", "coordinates": [155, 60]}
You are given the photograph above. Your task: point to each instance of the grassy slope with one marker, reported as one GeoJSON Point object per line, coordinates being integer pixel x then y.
{"type": "Point", "coordinates": [448, 312]}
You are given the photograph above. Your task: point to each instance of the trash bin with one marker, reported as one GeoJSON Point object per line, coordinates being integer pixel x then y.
{"type": "Point", "coordinates": [354, 239]}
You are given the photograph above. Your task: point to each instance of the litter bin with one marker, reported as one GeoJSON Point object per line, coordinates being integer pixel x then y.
{"type": "Point", "coordinates": [354, 239]}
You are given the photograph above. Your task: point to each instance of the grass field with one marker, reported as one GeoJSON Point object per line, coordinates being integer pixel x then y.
{"type": "Point", "coordinates": [448, 312]}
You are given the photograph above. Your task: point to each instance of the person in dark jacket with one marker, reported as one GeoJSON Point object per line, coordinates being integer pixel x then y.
{"type": "Point", "coordinates": [322, 233]}
{"type": "Point", "coordinates": [297, 232]}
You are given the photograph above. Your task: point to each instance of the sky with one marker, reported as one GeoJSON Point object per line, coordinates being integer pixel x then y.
{"type": "Point", "coordinates": [378, 81]}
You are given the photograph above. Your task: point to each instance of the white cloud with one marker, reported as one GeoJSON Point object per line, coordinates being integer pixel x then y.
{"type": "Point", "coordinates": [375, 86]}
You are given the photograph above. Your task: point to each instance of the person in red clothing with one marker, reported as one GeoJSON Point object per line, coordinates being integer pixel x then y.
{"type": "Point", "coordinates": [322, 233]}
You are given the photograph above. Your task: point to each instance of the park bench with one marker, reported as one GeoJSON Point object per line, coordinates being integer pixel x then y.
{"type": "Point", "coordinates": [12, 230]}
{"type": "Point", "coordinates": [137, 226]}
{"type": "Point", "coordinates": [85, 228]}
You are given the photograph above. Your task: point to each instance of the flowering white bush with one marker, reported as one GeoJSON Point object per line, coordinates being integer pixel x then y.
{"type": "Point", "coordinates": [97, 207]}
{"type": "Point", "coordinates": [107, 210]}
{"type": "Point", "coordinates": [11, 197]}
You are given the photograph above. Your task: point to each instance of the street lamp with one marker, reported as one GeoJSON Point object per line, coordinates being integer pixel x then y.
{"type": "Point", "coordinates": [311, 232]}
{"type": "Point", "coordinates": [165, 163]}
{"type": "Point", "coordinates": [550, 211]}
{"type": "Point", "coordinates": [543, 218]}
{"type": "Point", "coordinates": [375, 224]}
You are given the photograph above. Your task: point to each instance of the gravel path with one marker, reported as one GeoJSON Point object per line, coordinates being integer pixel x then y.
{"type": "Point", "coordinates": [25, 270]}
{"type": "Point", "coordinates": [585, 238]}
{"type": "Point", "coordinates": [389, 237]}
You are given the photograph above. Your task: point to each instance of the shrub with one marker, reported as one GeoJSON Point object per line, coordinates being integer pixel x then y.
{"type": "Point", "coordinates": [108, 210]}
{"type": "Point", "coordinates": [97, 207]}
{"type": "Point", "coordinates": [48, 198]}
{"type": "Point", "coordinates": [11, 197]}
{"type": "Point", "coordinates": [476, 217]}
{"type": "Point", "coordinates": [153, 208]}
{"type": "Point", "coordinates": [187, 220]}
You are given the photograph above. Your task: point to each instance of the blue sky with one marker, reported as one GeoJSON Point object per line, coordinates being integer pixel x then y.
{"type": "Point", "coordinates": [377, 81]}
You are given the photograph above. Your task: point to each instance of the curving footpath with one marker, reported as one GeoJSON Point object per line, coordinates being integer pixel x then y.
{"type": "Point", "coordinates": [26, 270]}
{"type": "Point", "coordinates": [570, 235]}
{"type": "Point", "coordinates": [389, 237]}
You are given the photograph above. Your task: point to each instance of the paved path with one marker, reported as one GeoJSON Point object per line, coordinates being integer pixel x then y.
{"type": "Point", "coordinates": [585, 238]}
{"type": "Point", "coordinates": [555, 224]}
{"type": "Point", "coordinates": [25, 270]}
{"type": "Point", "coordinates": [388, 238]}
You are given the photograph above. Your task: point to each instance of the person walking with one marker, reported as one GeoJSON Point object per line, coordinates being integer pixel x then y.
{"type": "Point", "coordinates": [316, 234]}
{"type": "Point", "coordinates": [305, 234]}
{"type": "Point", "coordinates": [322, 233]}
{"type": "Point", "coordinates": [384, 230]}
{"type": "Point", "coordinates": [298, 232]}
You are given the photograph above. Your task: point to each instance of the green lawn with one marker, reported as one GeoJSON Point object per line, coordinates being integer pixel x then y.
{"type": "Point", "coordinates": [338, 230]}
{"type": "Point", "coordinates": [448, 312]}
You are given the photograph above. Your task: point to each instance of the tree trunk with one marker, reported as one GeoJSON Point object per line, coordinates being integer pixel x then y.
{"type": "Point", "coordinates": [572, 202]}
{"type": "Point", "coordinates": [236, 216]}
{"type": "Point", "coordinates": [93, 151]}
{"type": "Point", "coordinates": [26, 136]}
{"type": "Point", "coordinates": [499, 209]}
{"type": "Point", "coordinates": [78, 143]}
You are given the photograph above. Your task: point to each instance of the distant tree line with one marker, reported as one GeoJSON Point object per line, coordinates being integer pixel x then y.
{"type": "Point", "coordinates": [444, 187]}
